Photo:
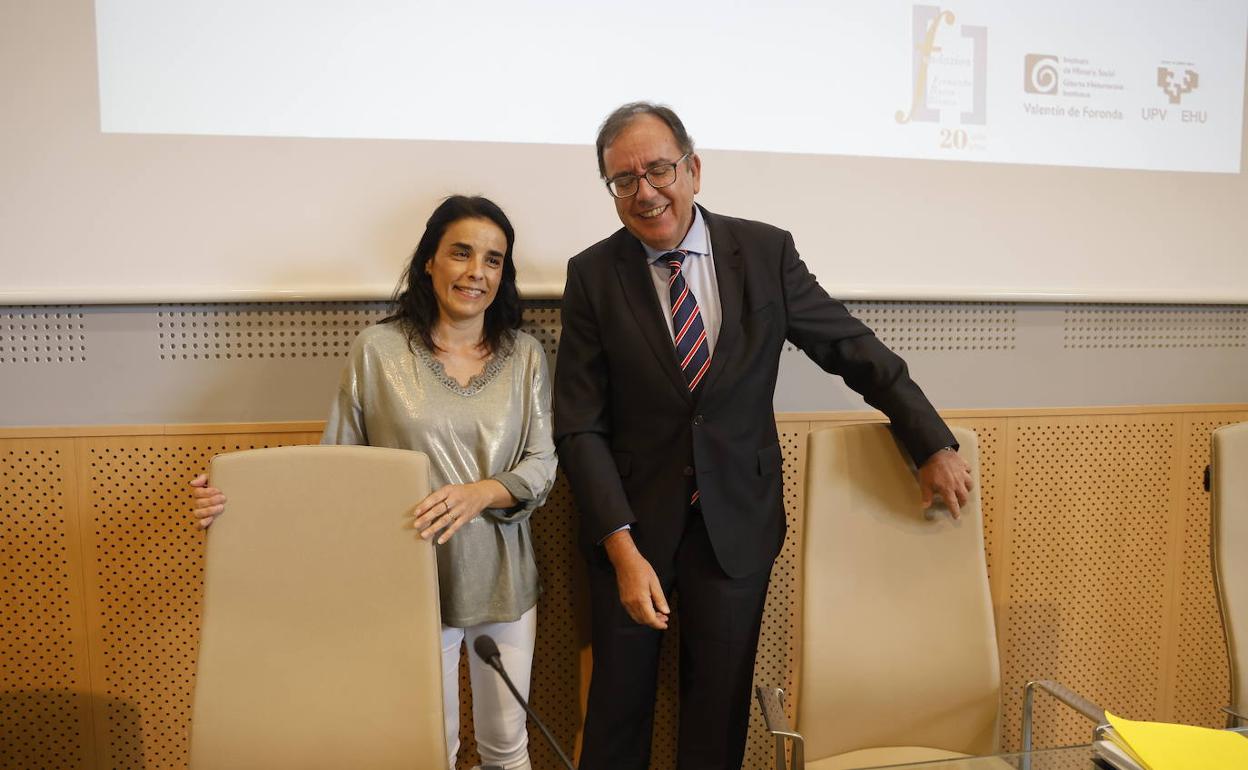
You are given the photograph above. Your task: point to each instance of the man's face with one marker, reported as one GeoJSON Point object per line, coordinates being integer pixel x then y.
{"type": "Point", "coordinates": [659, 218]}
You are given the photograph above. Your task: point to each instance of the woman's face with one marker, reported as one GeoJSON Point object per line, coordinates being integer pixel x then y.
{"type": "Point", "coordinates": [467, 268]}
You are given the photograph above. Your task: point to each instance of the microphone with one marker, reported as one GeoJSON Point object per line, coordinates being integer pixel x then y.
{"type": "Point", "coordinates": [487, 650]}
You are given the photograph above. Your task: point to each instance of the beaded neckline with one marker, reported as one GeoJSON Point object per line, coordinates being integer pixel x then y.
{"type": "Point", "coordinates": [477, 382]}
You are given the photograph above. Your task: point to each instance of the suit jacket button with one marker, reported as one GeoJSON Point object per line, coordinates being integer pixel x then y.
{"type": "Point", "coordinates": [697, 420]}
{"type": "Point", "coordinates": [688, 471]}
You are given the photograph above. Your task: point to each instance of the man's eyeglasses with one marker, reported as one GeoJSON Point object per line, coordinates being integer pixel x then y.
{"type": "Point", "coordinates": [662, 175]}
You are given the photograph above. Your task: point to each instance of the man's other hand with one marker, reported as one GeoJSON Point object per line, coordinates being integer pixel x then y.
{"type": "Point", "coordinates": [948, 475]}
{"type": "Point", "coordinates": [640, 591]}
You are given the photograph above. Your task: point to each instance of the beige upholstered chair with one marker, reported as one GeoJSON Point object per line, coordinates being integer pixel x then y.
{"type": "Point", "coordinates": [1228, 483]}
{"type": "Point", "coordinates": [320, 645]}
{"type": "Point", "coordinates": [898, 658]}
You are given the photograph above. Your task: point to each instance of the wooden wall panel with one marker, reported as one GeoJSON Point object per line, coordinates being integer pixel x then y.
{"type": "Point", "coordinates": [562, 625]}
{"type": "Point", "coordinates": [1096, 530]}
{"type": "Point", "coordinates": [45, 718]}
{"type": "Point", "coordinates": [1088, 547]}
{"type": "Point", "coordinates": [991, 434]}
{"type": "Point", "coordinates": [1200, 683]}
{"type": "Point", "coordinates": [776, 661]}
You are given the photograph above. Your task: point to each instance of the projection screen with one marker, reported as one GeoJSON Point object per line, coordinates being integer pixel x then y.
{"type": "Point", "coordinates": [278, 149]}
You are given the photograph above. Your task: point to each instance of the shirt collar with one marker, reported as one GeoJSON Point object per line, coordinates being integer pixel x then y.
{"type": "Point", "coordinates": [696, 241]}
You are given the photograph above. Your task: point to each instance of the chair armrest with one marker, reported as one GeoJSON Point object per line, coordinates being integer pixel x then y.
{"type": "Point", "coordinates": [1235, 712]}
{"type": "Point", "coordinates": [771, 703]}
{"type": "Point", "coordinates": [1064, 694]}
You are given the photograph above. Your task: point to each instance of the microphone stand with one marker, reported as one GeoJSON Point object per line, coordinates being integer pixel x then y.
{"type": "Point", "coordinates": [490, 655]}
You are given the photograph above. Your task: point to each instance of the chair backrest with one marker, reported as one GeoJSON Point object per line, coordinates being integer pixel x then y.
{"type": "Point", "coordinates": [320, 643]}
{"type": "Point", "coordinates": [898, 643]}
{"type": "Point", "coordinates": [1229, 488]}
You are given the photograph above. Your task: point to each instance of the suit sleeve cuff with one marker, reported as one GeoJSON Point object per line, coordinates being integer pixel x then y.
{"type": "Point", "coordinates": [950, 448]}
{"type": "Point", "coordinates": [612, 532]}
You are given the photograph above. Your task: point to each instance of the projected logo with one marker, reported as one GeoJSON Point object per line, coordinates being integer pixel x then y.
{"type": "Point", "coordinates": [950, 68]}
{"type": "Point", "coordinates": [1040, 74]}
{"type": "Point", "coordinates": [1174, 86]}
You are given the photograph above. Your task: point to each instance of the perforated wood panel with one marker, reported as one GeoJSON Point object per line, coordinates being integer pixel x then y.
{"type": "Point", "coordinates": [667, 698]}
{"type": "Point", "coordinates": [273, 330]}
{"type": "Point", "coordinates": [1200, 685]}
{"type": "Point", "coordinates": [1090, 566]}
{"type": "Point", "coordinates": [990, 434]}
{"type": "Point", "coordinates": [541, 319]}
{"type": "Point", "coordinates": [775, 663]}
{"type": "Point", "coordinates": [468, 756]}
{"type": "Point", "coordinates": [940, 326]}
{"type": "Point", "coordinates": [1156, 326]}
{"type": "Point", "coordinates": [233, 331]}
{"type": "Point", "coordinates": [144, 575]}
{"type": "Point", "coordinates": [1096, 527]}
{"type": "Point", "coordinates": [44, 711]}
{"type": "Point", "coordinates": [562, 625]}
{"type": "Point", "coordinates": [43, 335]}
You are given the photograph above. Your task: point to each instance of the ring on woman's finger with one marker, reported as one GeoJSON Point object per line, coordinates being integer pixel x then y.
{"type": "Point", "coordinates": [446, 506]}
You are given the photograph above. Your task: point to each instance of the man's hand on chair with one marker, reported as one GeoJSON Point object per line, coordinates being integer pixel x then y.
{"type": "Point", "coordinates": [946, 474]}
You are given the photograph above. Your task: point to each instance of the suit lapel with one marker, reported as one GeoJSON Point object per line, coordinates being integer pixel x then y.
{"type": "Point", "coordinates": [726, 252]}
{"type": "Point", "coordinates": [638, 287]}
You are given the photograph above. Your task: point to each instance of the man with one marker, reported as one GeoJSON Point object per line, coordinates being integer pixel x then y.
{"type": "Point", "coordinates": [672, 333]}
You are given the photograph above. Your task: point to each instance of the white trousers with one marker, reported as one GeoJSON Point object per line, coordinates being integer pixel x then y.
{"type": "Point", "coordinates": [498, 720]}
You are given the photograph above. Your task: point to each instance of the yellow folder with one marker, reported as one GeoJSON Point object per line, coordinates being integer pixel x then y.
{"type": "Point", "coordinates": [1162, 746]}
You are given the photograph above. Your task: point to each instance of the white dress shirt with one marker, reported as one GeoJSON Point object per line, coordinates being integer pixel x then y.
{"type": "Point", "coordinates": [699, 271]}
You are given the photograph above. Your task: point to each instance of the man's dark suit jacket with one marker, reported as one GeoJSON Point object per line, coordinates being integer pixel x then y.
{"type": "Point", "coordinates": [631, 437]}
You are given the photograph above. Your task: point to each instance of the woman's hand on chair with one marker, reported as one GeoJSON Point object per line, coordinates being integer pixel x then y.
{"type": "Point", "coordinates": [207, 502]}
{"type": "Point", "coordinates": [447, 509]}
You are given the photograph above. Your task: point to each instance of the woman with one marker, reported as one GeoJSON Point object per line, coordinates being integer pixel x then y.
{"type": "Point", "coordinates": [450, 374]}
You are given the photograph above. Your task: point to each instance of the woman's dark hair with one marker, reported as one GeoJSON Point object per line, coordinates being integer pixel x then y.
{"type": "Point", "coordinates": [416, 309]}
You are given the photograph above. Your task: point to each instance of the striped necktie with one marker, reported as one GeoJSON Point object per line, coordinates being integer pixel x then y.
{"type": "Point", "coordinates": [689, 332]}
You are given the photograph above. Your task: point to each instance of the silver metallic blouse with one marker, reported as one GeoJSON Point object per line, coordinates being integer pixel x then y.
{"type": "Point", "coordinates": [498, 427]}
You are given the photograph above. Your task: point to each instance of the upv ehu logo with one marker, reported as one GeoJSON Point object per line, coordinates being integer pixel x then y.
{"type": "Point", "coordinates": [1169, 82]}
{"type": "Point", "coordinates": [1177, 88]}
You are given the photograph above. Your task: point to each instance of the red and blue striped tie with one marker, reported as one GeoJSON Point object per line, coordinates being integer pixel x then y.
{"type": "Point", "coordinates": [689, 332]}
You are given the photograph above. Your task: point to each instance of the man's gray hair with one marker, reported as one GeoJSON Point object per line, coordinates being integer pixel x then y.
{"type": "Point", "coordinates": [618, 120]}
